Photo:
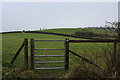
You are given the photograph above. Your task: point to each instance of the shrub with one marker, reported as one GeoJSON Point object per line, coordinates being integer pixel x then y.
{"type": "Point", "coordinates": [88, 33]}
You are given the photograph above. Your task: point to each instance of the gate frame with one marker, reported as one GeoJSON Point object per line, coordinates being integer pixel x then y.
{"type": "Point", "coordinates": [32, 54]}
{"type": "Point", "coordinates": [66, 54]}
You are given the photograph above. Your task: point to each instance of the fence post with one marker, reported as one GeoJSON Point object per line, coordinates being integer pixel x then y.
{"type": "Point", "coordinates": [66, 54]}
{"type": "Point", "coordinates": [26, 53]}
{"type": "Point", "coordinates": [32, 54]}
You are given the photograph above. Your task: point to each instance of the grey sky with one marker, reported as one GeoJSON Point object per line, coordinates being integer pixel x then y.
{"type": "Point", "coordinates": [36, 15]}
{"type": "Point", "coordinates": [119, 11]}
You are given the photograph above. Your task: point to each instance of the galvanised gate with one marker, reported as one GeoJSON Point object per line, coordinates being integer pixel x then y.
{"type": "Point", "coordinates": [34, 55]}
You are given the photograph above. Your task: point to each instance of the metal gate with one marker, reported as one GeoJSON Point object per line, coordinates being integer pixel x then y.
{"type": "Point", "coordinates": [33, 55]}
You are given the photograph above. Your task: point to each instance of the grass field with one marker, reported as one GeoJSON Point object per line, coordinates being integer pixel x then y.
{"type": "Point", "coordinates": [12, 42]}
{"type": "Point", "coordinates": [73, 30]}
{"type": "Point", "coordinates": [63, 30]}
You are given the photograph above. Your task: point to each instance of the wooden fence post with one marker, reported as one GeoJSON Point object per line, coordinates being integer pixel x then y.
{"type": "Point", "coordinates": [32, 54]}
{"type": "Point", "coordinates": [66, 54]}
{"type": "Point", "coordinates": [26, 53]}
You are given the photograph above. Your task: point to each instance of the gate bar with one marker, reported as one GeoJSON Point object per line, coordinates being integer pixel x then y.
{"type": "Point", "coordinates": [91, 41]}
{"type": "Point", "coordinates": [51, 68]}
{"type": "Point", "coordinates": [48, 62]}
{"type": "Point", "coordinates": [48, 55]}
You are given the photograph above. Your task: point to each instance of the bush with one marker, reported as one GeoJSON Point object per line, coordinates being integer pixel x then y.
{"type": "Point", "coordinates": [88, 33]}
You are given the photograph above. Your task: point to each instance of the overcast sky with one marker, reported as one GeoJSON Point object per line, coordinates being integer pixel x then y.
{"type": "Point", "coordinates": [36, 15]}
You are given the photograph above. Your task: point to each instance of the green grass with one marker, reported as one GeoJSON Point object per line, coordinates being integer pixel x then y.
{"type": "Point", "coordinates": [63, 30]}
{"type": "Point", "coordinates": [12, 42]}
{"type": "Point", "coordinates": [73, 30]}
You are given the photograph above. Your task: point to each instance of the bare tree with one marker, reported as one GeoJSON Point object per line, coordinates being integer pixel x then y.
{"type": "Point", "coordinates": [114, 27]}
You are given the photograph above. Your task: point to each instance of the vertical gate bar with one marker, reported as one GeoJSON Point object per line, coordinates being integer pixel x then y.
{"type": "Point", "coordinates": [32, 54]}
{"type": "Point", "coordinates": [26, 53]}
{"type": "Point", "coordinates": [66, 54]}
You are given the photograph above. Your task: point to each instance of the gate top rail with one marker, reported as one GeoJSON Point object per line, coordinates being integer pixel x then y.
{"type": "Point", "coordinates": [49, 40]}
{"type": "Point", "coordinates": [92, 41]}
